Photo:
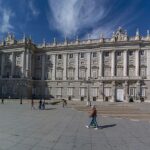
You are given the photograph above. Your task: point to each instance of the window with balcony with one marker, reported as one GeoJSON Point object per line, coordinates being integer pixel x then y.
{"type": "Point", "coordinates": [59, 74]}
{"type": "Point", "coordinates": [82, 73]}
{"type": "Point", "coordinates": [95, 73]}
{"type": "Point", "coordinates": [70, 74]}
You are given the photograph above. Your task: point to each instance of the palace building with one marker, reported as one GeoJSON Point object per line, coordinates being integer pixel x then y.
{"type": "Point", "coordinates": [104, 69]}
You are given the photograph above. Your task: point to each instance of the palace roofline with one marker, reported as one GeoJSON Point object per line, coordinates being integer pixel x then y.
{"type": "Point", "coordinates": [120, 36]}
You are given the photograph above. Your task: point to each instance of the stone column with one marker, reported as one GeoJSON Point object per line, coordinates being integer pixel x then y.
{"type": "Point", "coordinates": [138, 91]}
{"type": "Point", "coordinates": [2, 64]}
{"type": "Point", "coordinates": [64, 66]}
{"type": "Point", "coordinates": [137, 64]}
{"type": "Point", "coordinates": [23, 64]}
{"type": "Point", "coordinates": [148, 62]}
{"type": "Point", "coordinates": [125, 63]}
{"type": "Point", "coordinates": [113, 92]}
{"type": "Point", "coordinates": [27, 64]}
{"type": "Point", "coordinates": [54, 66]}
{"type": "Point", "coordinates": [113, 63]}
{"type": "Point", "coordinates": [12, 64]}
{"type": "Point", "coordinates": [100, 64]}
{"type": "Point", "coordinates": [88, 73]}
{"type": "Point", "coordinates": [43, 67]}
{"type": "Point", "coordinates": [76, 66]}
{"type": "Point", "coordinates": [126, 91]}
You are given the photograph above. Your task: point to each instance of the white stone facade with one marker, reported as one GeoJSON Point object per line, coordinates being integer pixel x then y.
{"type": "Point", "coordinates": [112, 69]}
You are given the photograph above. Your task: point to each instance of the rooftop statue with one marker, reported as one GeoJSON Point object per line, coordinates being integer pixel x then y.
{"type": "Point", "coordinates": [120, 35]}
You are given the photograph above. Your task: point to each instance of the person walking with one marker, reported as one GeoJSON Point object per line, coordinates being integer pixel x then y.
{"type": "Point", "coordinates": [32, 104]}
{"type": "Point", "coordinates": [43, 104]}
{"type": "Point", "coordinates": [40, 104]}
{"type": "Point", "coordinates": [93, 118]}
{"type": "Point", "coordinates": [64, 103]}
{"type": "Point", "coordinates": [2, 100]}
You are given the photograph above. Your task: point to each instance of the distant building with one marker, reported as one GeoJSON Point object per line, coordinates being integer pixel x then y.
{"type": "Point", "coordinates": [117, 68]}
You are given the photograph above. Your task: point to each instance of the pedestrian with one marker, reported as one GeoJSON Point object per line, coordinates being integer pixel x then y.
{"type": "Point", "coordinates": [32, 104]}
{"type": "Point", "coordinates": [93, 118]}
{"type": "Point", "coordinates": [64, 103]}
{"type": "Point", "coordinates": [40, 104]}
{"type": "Point", "coordinates": [2, 100]}
{"type": "Point", "coordinates": [43, 104]}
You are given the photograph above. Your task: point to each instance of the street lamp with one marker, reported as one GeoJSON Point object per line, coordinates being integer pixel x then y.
{"type": "Point", "coordinates": [88, 96]}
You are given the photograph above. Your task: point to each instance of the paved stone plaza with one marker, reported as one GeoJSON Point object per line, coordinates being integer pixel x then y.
{"type": "Point", "coordinates": [58, 128]}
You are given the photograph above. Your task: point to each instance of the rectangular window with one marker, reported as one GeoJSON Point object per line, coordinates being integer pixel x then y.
{"type": "Point", "coordinates": [94, 74]}
{"type": "Point", "coordinates": [94, 54]}
{"type": "Point", "coordinates": [70, 55]}
{"type": "Point", "coordinates": [107, 92]}
{"type": "Point", "coordinates": [82, 74]}
{"type": "Point", "coordinates": [106, 54]}
{"type": "Point", "coordinates": [142, 52]}
{"type": "Point", "coordinates": [81, 55]}
{"type": "Point", "coordinates": [82, 92]}
{"type": "Point", "coordinates": [59, 91]}
{"type": "Point", "coordinates": [71, 73]}
{"type": "Point", "coordinates": [132, 91]}
{"type": "Point", "coordinates": [38, 57]}
{"type": "Point", "coordinates": [59, 74]}
{"type": "Point", "coordinates": [130, 53]}
{"type": "Point", "coordinates": [143, 92]}
{"type": "Point", "coordinates": [118, 53]}
{"type": "Point", "coordinates": [59, 56]}
{"type": "Point", "coordinates": [94, 92]}
{"type": "Point", "coordinates": [70, 91]}
{"type": "Point", "coordinates": [49, 57]}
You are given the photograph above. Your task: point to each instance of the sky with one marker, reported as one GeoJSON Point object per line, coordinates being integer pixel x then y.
{"type": "Point", "coordinates": [49, 19]}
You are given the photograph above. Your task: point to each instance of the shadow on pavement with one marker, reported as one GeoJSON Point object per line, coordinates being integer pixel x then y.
{"type": "Point", "coordinates": [108, 126]}
{"type": "Point", "coordinates": [49, 108]}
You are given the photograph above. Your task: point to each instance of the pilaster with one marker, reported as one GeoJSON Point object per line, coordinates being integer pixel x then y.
{"type": "Point", "coordinates": [76, 66]}
{"type": "Point", "coordinates": [125, 60]}
{"type": "Point", "coordinates": [64, 66]}
{"type": "Point", "coordinates": [137, 62]}
{"type": "Point", "coordinates": [148, 64]}
{"type": "Point", "coordinates": [113, 63]}
{"type": "Point", "coordinates": [12, 64]}
{"type": "Point", "coordinates": [43, 67]}
{"type": "Point", "coordinates": [54, 66]}
{"type": "Point", "coordinates": [2, 64]}
{"type": "Point", "coordinates": [100, 64]}
{"type": "Point", "coordinates": [88, 73]}
{"type": "Point", "coordinates": [126, 92]}
{"type": "Point", "coordinates": [113, 92]}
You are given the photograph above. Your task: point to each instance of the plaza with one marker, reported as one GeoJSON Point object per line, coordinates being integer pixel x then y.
{"type": "Point", "coordinates": [58, 128]}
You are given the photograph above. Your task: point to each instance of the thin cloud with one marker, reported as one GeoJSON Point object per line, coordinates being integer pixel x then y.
{"type": "Point", "coordinates": [5, 24]}
{"type": "Point", "coordinates": [33, 9]}
{"type": "Point", "coordinates": [71, 17]}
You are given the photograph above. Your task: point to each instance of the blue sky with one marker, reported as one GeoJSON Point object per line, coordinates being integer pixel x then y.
{"type": "Point", "coordinates": [46, 19]}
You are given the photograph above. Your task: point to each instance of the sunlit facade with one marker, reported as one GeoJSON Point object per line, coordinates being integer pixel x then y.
{"type": "Point", "coordinates": [110, 69]}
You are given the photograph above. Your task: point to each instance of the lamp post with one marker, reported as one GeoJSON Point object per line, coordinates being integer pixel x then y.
{"type": "Point", "coordinates": [88, 87]}
{"type": "Point", "coordinates": [21, 84]}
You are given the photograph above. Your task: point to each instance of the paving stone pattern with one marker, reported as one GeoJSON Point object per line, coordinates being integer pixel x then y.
{"type": "Point", "coordinates": [58, 128]}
